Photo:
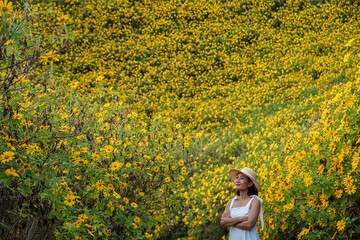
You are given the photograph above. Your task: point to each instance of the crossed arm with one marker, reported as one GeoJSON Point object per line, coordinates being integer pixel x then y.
{"type": "Point", "coordinates": [245, 222]}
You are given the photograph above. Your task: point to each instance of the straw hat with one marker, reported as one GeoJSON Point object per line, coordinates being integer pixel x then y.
{"type": "Point", "coordinates": [248, 172]}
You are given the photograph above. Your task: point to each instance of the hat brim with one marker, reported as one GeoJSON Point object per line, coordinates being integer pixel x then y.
{"type": "Point", "coordinates": [233, 175]}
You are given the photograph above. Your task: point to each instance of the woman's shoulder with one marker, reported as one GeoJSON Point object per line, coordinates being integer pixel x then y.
{"type": "Point", "coordinates": [255, 201]}
{"type": "Point", "coordinates": [256, 198]}
{"type": "Point", "coordinates": [229, 201]}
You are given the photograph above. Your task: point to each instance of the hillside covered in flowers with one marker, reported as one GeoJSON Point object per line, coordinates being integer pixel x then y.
{"type": "Point", "coordinates": [120, 119]}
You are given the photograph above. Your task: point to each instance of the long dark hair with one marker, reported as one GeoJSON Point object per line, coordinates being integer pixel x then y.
{"type": "Point", "coordinates": [251, 190]}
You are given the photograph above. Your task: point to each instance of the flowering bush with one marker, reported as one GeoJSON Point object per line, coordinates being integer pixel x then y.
{"type": "Point", "coordinates": [120, 119]}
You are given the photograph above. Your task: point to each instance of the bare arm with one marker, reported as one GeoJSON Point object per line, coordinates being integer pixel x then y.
{"type": "Point", "coordinates": [253, 216]}
{"type": "Point", "coordinates": [227, 220]}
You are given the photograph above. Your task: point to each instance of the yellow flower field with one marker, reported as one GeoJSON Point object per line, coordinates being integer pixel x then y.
{"type": "Point", "coordinates": [120, 119]}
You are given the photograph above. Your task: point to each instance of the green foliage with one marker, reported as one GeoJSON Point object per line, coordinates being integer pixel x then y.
{"type": "Point", "coordinates": [126, 127]}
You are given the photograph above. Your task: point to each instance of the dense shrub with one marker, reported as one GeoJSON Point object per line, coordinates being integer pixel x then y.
{"type": "Point", "coordinates": [125, 125]}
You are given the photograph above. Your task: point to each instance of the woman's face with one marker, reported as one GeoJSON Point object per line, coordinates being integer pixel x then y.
{"type": "Point", "coordinates": [242, 182]}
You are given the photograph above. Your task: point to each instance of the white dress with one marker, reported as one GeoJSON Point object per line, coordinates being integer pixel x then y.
{"type": "Point", "coordinates": [240, 234]}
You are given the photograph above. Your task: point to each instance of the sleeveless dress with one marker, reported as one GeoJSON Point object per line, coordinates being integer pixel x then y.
{"type": "Point", "coordinates": [240, 234]}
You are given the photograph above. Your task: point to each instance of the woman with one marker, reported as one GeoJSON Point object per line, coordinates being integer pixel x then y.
{"type": "Point", "coordinates": [241, 212]}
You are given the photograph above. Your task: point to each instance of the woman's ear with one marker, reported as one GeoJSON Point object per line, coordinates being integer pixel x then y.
{"type": "Point", "coordinates": [250, 184]}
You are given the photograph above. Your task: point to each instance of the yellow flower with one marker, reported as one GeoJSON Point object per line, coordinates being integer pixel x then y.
{"type": "Point", "coordinates": [96, 156]}
{"type": "Point", "coordinates": [5, 7]}
{"type": "Point", "coordinates": [8, 42]}
{"type": "Point", "coordinates": [107, 231]}
{"type": "Point", "coordinates": [307, 180]}
{"type": "Point", "coordinates": [49, 57]}
{"type": "Point", "coordinates": [108, 148]}
{"type": "Point", "coordinates": [69, 199]}
{"type": "Point", "coordinates": [289, 206]}
{"type": "Point", "coordinates": [186, 144]}
{"type": "Point", "coordinates": [355, 162]}
{"type": "Point", "coordinates": [279, 196]}
{"type": "Point", "coordinates": [68, 190]}
{"type": "Point", "coordinates": [7, 157]}
{"type": "Point", "coordinates": [156, 168]}
{"type": "Point", "coordinates": [348, 44]}
{"type": "Point", "coordinates": [73, 84]}
{"type": "Point", "coordinates": [147, 235]}
{"type": "Point", "coordinates": [82, 217]}
{"type": "Point", "coordinates": [115, 165]}
{"type": "Point", "coordinates": [350, 189]}
{"type": "Point", "coordinates": [347, 57]}
{"type": "Point", "coordinates": [303, 214]}
{"type": "Point", "coordinates": [105, 127]}
{"type": "Point", "coordinates": [167, 179]}
{"type": "Point", "coordinates": [122, 185]}
{"type": "Point", "coordinates": [110, 187]}
{"type": "Point", "coordinates": [340, 225]}
{"type": "Point", "coordinates": [67, 224]}
{"type": "Point", "coordinates": [338, 193]}
{"type": "Point", "coordinates": [324, 202]}
{"type": "Point", "coordinates": [11, 172]}
{"type": "Point", "coordinates": [99, 185]}
{"type": "Point", "coordinates": [137, 219]}
{"type": "Point", "coordinates": [64, 128]}
{"type": "Point", "coordinates": [83, 150]}
{"type": "Point", "coordinates": [17, 116]}
{"type": "Point", "coordinates": [348, 180]}
{"type": "Point", "coordinates": [303, 232]}
{"type": "Point", "coordinates": [90, 233]}
{"type": "Point", "coordinates": [321, 169]}
{"type": "Point", "coordinates": [116, 195]}
{"type": "Point", "coordinates": [181, 162]}
{"type": "Point", "coordinates": [134, 205]}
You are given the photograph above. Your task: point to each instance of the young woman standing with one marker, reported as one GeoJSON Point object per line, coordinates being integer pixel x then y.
{"type": "Point", "coordinates": [241, 212]}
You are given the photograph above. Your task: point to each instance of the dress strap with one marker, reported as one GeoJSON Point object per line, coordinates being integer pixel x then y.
{"type": "Point", "coordinates": [261, 211]}
{"type": "Point", "coordinates": [249, 202]}
{"type": "Point", "coordinates": [232, 201]}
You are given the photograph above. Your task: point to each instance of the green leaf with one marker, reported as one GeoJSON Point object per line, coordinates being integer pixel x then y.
{"type": "Point", "coordinates": [71, 36]}
{"type": "Point", "coordinates": [25, 190]}
{"type": "Point", "coordinates": [66, 212]}
{"type": "Point", "coordinates": [93, 195]}
{"type": "Point", "coordinates": [357, 229]}
{"type": "Point", "coordinates": [44, 195]}
{"type": "Point", "coordinates": [55, 214]}
{"type": "Point", "coordinates": [4, 226]}
{"type": "Point", "coordinates": [108, 212]}
{"type": "Point", "coordinates": [27, 182]}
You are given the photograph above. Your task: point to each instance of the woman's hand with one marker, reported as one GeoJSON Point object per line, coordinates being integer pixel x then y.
{"type": "Point", "coordinates": [227, 220]}
{"type": "Point", "coordinates": [253, 216]}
